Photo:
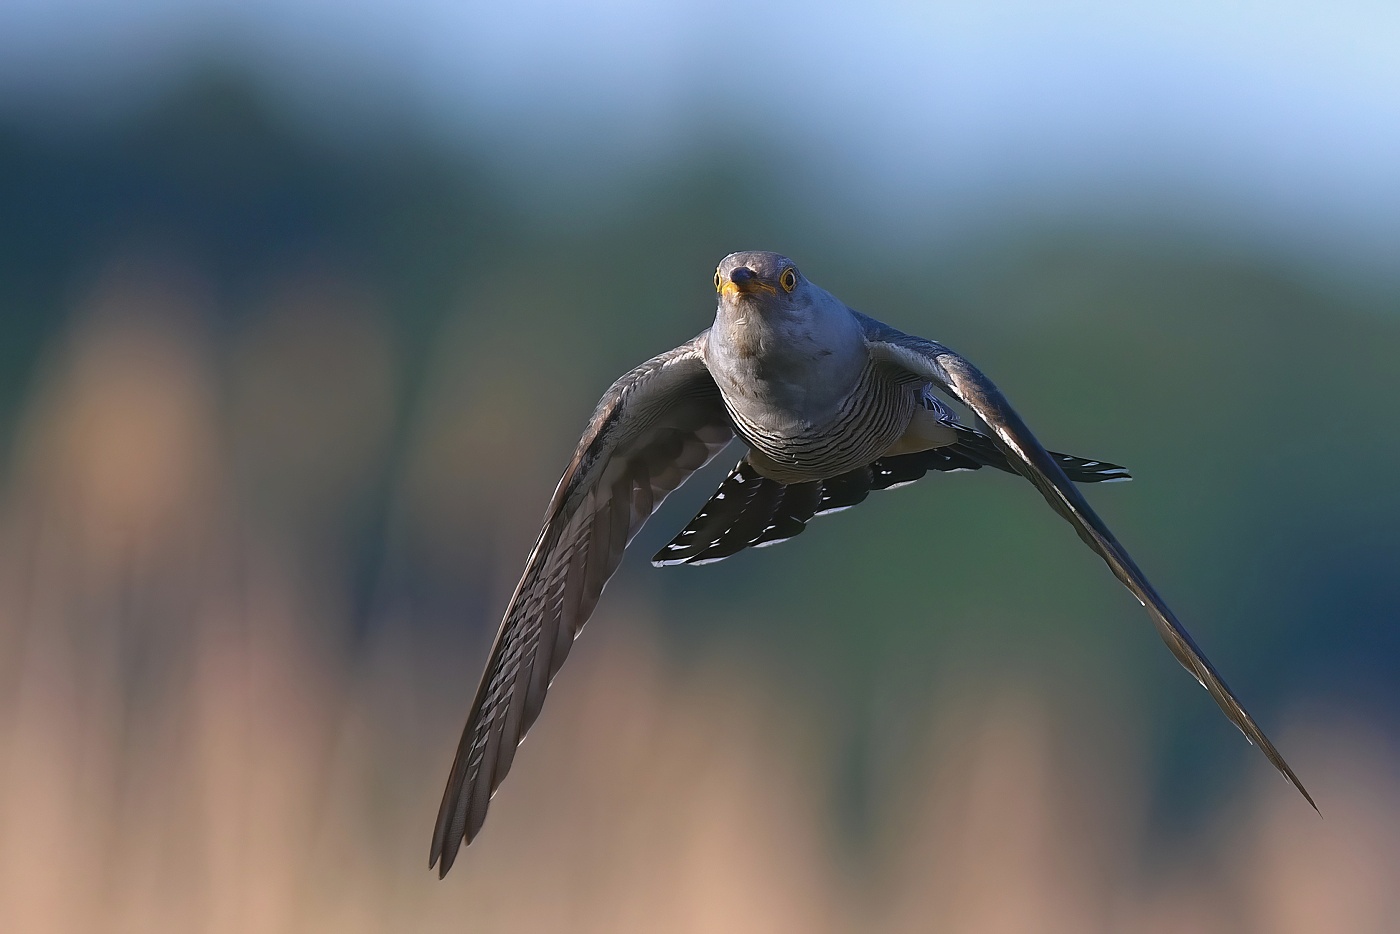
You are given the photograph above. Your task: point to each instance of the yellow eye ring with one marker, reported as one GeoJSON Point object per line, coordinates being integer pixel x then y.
{"type": "Point", "coordinates": [717, 280]}
{"type": "Point", "coordinates": [788, 279]}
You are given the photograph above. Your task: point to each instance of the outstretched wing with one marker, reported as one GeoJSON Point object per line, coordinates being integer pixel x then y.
{"type": "Point", "coordinates": [654, 428]}
{"type": "Point", "coordinates": [955, 375]}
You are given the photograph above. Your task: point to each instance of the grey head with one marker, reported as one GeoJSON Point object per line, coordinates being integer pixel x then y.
{"type": "Point", "coordinates": [758, 278]}
{"type": "Point", "coordinates": [780, 335]}
{"type": "Point", "coordinates": [768, 288]}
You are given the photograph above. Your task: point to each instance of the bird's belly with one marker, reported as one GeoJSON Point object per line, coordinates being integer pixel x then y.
{"type": "Point", "coordinates": [791, 449]}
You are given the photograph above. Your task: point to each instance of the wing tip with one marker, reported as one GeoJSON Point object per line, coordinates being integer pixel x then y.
{"type": "Point", "coordinates": [446, 848]}
{"type": "Point", "coordinates": [440, 858]}
{"type": "Point", "coordinates": [1279, 763]}
{"type": "Point", "coordinates": [449, 834]}
{"type": "Point", "coordinates": [443, 852]}
{"type": "Point", "coordinates": [1293, 780]}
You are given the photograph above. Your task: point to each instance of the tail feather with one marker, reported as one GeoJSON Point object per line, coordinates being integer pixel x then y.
{"type": "Point", "coordinates": [750, 510]}
{"type": "Point", "coordinates": [982, 449]}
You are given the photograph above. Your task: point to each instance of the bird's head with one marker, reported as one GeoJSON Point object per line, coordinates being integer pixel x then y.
{"type": "Point", "coordinates": [760, 281]}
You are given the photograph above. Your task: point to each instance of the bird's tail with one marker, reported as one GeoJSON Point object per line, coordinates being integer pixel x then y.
{"type": "Point", "coordinates": [980, 448]}
{"type": "Point", "coordinates": [750, 510]}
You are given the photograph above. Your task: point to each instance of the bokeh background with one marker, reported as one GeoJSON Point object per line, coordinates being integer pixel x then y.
{"type": "Point", "coordinates": [302, 308]}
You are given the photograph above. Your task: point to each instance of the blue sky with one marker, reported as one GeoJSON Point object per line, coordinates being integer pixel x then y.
{"type": "Point", "coordinates": [1279, 121]}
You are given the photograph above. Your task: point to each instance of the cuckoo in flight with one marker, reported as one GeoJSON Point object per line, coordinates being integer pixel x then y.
{"type": "Point", "coordinates": [830, 404]}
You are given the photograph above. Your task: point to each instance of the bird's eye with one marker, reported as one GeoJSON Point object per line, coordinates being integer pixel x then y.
{"type": "Point", "coordinates": [788, 279]}
{"type": "Point", "coordinates": [717, 280]}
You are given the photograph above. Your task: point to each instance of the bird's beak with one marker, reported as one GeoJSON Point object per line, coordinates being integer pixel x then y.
{"type": "Point", "coordinates": [744, 281]}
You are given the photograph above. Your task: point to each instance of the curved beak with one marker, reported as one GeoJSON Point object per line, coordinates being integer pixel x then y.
{"type": "Point", "coordinates": [744, 281]}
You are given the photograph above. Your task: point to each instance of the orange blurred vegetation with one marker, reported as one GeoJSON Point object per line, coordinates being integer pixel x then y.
{"type": "Point", "coordinates": [187, 745]}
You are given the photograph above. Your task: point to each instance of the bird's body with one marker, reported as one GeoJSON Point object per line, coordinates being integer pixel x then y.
{"type": "Point", "coordinates": [800, 384]}
{"type": "Point", "coordinates": [831, 405]}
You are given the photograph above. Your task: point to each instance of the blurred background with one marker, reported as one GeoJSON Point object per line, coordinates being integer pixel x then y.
{"type": "Point", "coordinates": [304, 305]}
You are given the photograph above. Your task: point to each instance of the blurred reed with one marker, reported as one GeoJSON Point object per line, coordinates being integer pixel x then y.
{"type": "Point", "coordinates": [187, 743]}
